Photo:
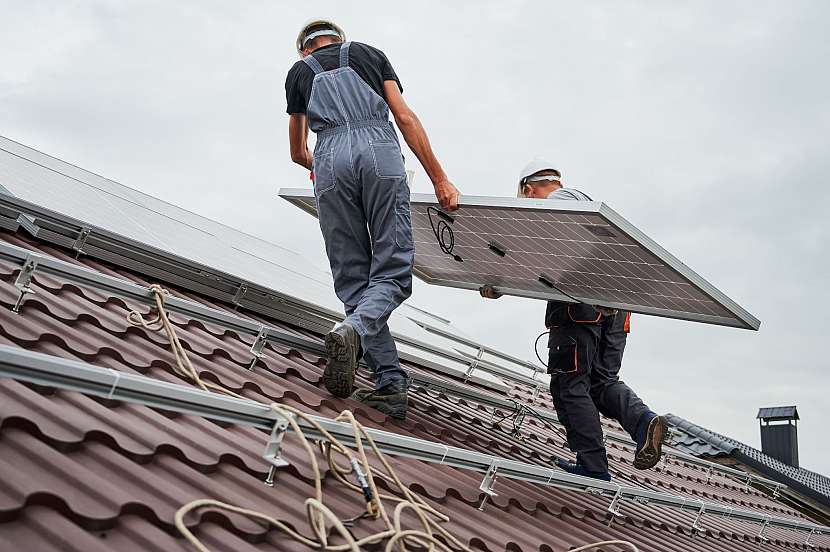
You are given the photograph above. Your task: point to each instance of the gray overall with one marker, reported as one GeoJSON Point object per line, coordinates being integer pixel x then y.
{"type": "Point", "coordinates": [363, 206]}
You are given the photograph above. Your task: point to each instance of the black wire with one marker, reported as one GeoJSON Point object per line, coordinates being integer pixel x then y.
{"type": "Point", "coordinates": [568, 295]}
{"type": "Point", "coordinates": [443, 233]}
{"type": "Point", "coordinates": [536, 348]}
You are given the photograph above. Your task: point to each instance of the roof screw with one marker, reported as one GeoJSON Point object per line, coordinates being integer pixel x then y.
{"type": "Point", "coordinates": [24, 281]}
{"type": "Point", "coordinates": [271, 475]}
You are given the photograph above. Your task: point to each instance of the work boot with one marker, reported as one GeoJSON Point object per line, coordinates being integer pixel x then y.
{"type": "Point", "coordinates": [651, 432]}
{"type": "Point", "coordinates": [342, 350]}
{"type": "Point", "coordinates": [577, 469]}
{"type": "Point", "coordinates": [391, 399]}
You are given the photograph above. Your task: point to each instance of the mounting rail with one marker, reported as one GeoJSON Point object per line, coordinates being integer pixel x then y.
{"type": "Point", "coordinates": [98, 281]}
{"type": "Point", "coordinates": [61, 373]}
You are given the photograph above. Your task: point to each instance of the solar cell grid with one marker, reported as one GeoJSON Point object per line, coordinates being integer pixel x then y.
{"type": "Point", "coordinates": [550, 249]}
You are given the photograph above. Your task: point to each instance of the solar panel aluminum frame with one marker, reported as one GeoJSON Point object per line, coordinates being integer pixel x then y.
{"type": "Point", "coordinates": [304, 199]}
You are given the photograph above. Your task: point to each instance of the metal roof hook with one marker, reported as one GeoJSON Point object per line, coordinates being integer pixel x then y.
{"type": "Point", "coordinates": [763, 530]}
{"type": "Point", "coordinates": [614, 507]}
{"type": "Point", "coordinates": [80, 241]}
{"type": "Point", "coordinates": [487, 484]}
{"type": "Point", "coordinates": [473, 364]}
{"type": "Point", "coordinates": [696, 526]}
{"type": "Point", "coordinates": [259, 343]}
{"type": "Point", "coordinates": [807, 542]}
{"type": "Point", "coordinates": [273, 449]}
{"type": "Point", "coordinates": [23, 283]}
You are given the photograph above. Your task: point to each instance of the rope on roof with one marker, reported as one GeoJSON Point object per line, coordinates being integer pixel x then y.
{"type": "Point", "coordinates": [319, 515]}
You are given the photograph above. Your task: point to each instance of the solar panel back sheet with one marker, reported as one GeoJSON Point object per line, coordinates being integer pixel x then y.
{"type": "Point", "coordinates": [554, 249]}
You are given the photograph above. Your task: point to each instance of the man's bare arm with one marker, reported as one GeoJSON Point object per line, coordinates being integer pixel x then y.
{"type": "Point", "coordinates": [416, 137]}
{"type": "Point", "coordinates": [298, 139]}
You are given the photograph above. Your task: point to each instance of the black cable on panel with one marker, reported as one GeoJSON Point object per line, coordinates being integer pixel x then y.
{"type": "Point", "coordinates": [443, 232]}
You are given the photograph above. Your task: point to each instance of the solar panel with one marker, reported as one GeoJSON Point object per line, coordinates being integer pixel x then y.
{"type": "Point", "coordinates": [574, 251]}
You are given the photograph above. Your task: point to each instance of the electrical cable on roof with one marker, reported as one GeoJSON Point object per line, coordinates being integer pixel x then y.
{"type": "Point", "coordinates": [318, 513]}
{"type": "Point", "coordinates": [443, 232]}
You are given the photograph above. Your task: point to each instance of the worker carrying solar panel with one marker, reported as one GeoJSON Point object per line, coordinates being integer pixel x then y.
{"type": "Point", "coordinates": [586, 346]}
{"type": "Point", "coordinates": [343, 91]}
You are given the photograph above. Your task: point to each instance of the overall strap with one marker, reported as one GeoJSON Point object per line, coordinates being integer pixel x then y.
{"type": "Point", "coordinates": [344, 54]}
{"type": "Point", "coordinates": [314, 64]}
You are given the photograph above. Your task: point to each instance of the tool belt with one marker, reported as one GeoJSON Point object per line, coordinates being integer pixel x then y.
{"type": "Point", "coordinates": [559, 314]}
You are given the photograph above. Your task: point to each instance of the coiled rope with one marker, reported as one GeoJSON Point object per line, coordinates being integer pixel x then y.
{"type": "Point", "coordinates": [320, 517]}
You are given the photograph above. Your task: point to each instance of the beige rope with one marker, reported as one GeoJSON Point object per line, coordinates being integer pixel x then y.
{"type": "Point", "coordinates": [320, 517]}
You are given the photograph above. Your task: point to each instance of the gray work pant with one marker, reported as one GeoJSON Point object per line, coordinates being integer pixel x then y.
{"type": "Point", "coordinates": [363, 206]}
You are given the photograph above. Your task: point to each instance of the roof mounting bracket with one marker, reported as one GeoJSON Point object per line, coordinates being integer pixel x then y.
{"type": "Point", "coordinates": [696, 527]}
{"type": "Point", "coordinates": [763, 530]}
{"type": "Point", "coordinates": [473, 364]}
{"type": "Point", "coordinates": [663, 459]}
{"type": "Point", "coordinates": [776, 492]}
{"type": "Point", "coordinates": [80, 241]}
{"type": "Point", "coordinates": [536, 390]}
{"type": "Point", "coordinates": [747, 481]}
{"type": "Point", "coordinates": [807, 542]}
{"type": "Point", "coordinates": [487, 484]}
{"type": "Point", "coordinates": [273, 449]}
{"type": "Point", "coordinates": [614, 507]}
{"type": "Point", "coordinates": [259, 343]}
{"type": "Point", "coordinates": [24, 281]}
{"type": "Point", "coordinates": [709, 473]}
{"type": "Point", "coordinates": [240, 294]}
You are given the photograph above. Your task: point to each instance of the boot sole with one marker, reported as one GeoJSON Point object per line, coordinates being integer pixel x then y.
{"type": "Point", "coordinates": [648, 457]}
{"type": "Point", "coordinates": [338, 377]}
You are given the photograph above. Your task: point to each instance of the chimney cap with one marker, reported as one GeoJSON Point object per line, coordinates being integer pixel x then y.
{"type": "Point", "coordinates": [775, 413]}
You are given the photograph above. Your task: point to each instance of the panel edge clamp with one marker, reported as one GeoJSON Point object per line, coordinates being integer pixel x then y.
{"type": "Point", "coordinates": [274, 448]}
{"type": "Point", "coordinates": [488, 483]}
{"type": "Point", "coordinates": [23, 283]}
{"type": "Point", "coordinates": [80, 241]}
{"type": "Point", "coordinates": [259, 343]}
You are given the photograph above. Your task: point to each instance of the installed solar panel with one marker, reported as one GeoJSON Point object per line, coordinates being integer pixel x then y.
{"type": "Point", "coordinates": [554, 249]}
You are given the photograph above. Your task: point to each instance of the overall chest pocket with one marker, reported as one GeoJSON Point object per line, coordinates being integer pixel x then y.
{"type": "Point", "coordinates": [323, 169]}
{"type": "Point", "coordinates": [388, 159]}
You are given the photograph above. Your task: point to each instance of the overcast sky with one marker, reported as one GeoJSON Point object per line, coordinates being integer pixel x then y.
{"type": "Point", "coordinates": [704, 124]}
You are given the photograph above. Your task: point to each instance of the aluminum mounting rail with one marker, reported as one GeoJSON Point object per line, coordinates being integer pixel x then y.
{"type": "Point", "coordinates": [100, 243]}
{"type": "Point", "coordinates": [95, 280]}
{"type": "Point", "coordinates": [61, 373]}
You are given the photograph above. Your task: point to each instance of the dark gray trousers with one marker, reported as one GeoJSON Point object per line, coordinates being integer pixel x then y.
{"type": "Point", "coordinates": [585, 362]}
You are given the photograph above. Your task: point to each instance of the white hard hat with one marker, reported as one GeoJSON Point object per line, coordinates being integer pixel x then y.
{"type": "Point", "coordinates": [532, 168]}
{"type": "Point", "coordinates": [318, 27]}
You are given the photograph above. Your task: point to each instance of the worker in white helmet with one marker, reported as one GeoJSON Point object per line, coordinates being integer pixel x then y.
{"type": "Point", "coordinates": [343, 91]}
{"type": "Point", "coordinates": [586, 346]}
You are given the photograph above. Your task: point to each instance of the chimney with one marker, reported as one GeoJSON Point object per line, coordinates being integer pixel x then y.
{"type": "Point", "coordinates": [779, 433]}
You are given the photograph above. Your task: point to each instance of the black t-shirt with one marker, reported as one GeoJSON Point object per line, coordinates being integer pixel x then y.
{"type": "Point", "coordinates": [368, 62]}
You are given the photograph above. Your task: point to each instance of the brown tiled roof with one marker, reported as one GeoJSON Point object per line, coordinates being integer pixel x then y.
{"type": "Point", "coordinates": [89, 474]}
